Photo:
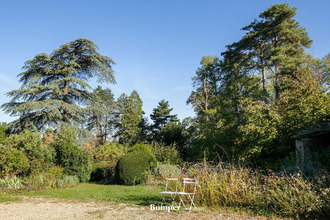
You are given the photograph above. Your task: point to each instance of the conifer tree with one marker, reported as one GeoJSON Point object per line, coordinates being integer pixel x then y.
{"type": "Point", "coordinates": [205, 84]}
{"type": "Point", "coordinates": [54, 87]}
{"type": "Point", "coordinates": [161, 116]}
{"type": "Point", "coordinates": [102, 114]}
{"type": "Point", "coordinates": [273, 46]}
{"type": "Point", "coordinates": [130, 114]}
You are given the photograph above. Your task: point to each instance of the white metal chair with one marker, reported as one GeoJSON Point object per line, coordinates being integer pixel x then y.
{"type": "Point", "coordinates": [167, 192]}
{"type": "Point", "coordinates": [189, 192]}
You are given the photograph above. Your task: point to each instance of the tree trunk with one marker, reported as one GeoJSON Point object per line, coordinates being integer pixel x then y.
{"type": "Point", "coordinates": [277, 72]}
{"type": "Point", "coordinates": [265, 93]}
{"type": "Point", "coordinates": [66, 89]}
{"type": "Point", "coordinates": [277, 83]}
{"type": "Point", "coordinates": [206, 97]}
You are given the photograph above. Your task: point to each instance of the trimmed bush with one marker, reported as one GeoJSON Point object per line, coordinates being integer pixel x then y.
{"type": "Point", "coordinates": [131, 168]}
{"type": "Point", "coordinates": [101, 171]}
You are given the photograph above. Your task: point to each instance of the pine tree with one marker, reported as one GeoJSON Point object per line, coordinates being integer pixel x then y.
{"type": "Point", "coordinates": [161, 116]}
{"type": "Point", "coordinates": [54, 87]}
{"type": "Point", "coordinates": [206, 85]}
{"type": "Point", "coordinates": [273, 46]}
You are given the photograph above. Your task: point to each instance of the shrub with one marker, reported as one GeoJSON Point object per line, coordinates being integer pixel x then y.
{"type": "Point", "coordinates": [56, 172]}
{"type": "Point", "coordinates": [40, 158]}
{"type": "Point", "coordinates": [67, 181]}
{"type": "Point", "coordinates": [11, 183]}
{"type": "Point", "coordinates": [131, 167]}
{"type": "Point", "coordinates": [171, 134]}
{"type": "Point", "coordinates": [71, 157]}
{"type": "Point", "coordinates": [278, 193]}
{"type": "Point", "coordinates": [12, 161]}
{"type": "Point", "coordinates": [109, 151]}
{"type": "Point", "coordinates": [3, 133]}
{"type": "Point", "coordinates": [102, 171]}
{"type": "Point", "coordinates": [140, 147]}
{"type": "Point", "coordinates": [166, 154]}
{"type": "Point", "coordinates": [167, 171]}
{"type": "Point", "coordinates": [36, 181]}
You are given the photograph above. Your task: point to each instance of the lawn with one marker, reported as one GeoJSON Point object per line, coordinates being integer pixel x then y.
{"type": "Point", "coordinates": [139, 195]}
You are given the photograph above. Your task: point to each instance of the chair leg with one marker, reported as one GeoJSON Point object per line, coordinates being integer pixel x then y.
{"type": "Point", "coordinates": [191, 203]}
{"type": "Point", "coordinates": [181, 201]}
{"type": "Point", "coordinates": [163, 200]}
{"type": "Point", "coordinates": [173, 200]}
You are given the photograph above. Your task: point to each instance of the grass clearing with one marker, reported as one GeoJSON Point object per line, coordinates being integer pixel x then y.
{"type": "Point", "coordinates": [8, 198]}
{"type": "Point", "coordinates": [138, 195]}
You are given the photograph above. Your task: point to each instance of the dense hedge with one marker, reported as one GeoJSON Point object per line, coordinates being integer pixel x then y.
{"type": "Point", "coordinates": [74, 160]}
{"type": "Point", "coordinates": [101, 172]}
{"type": "Point", "coordinates": [132, 166]}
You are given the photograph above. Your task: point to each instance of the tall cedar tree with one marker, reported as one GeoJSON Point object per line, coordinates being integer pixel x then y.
{"type": "Point", "coordinates": [54, 86]}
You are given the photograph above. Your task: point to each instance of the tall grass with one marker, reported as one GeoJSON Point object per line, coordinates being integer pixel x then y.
{"type": "Point", "coordinates": [278, 193]}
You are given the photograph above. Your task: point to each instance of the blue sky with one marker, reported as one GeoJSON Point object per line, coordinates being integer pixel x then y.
{"type": "Point", "coordinates": [157, 45]}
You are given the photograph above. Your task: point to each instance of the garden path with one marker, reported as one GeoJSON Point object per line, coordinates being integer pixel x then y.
{"type": "Point", "coordinates": [48, 208]}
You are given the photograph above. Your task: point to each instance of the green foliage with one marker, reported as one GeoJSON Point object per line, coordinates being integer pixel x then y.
{"type": "Point", "coordinates": [168, 171]}
{"type": "Point", "coordinates": [71, 157]}
{"type": "Point", "coordinates": [167, 154]}
{"type": "Point", "coordinates": [324, 72]}
{"type": "Point", "coordinates": [171, 134]}
{"type": "Point", "coordinates": [284, 195]}
{"type": "Point", "coordinates": [205, 86]}
{"type": "Point", "coordinates": [161, 116]}
{"type": "Point", "coordinates": [106, 157]}
{"type": "Point", "coordinates": [11, 183]}
{"type": "Point", "coordinates": [102, 171]}
{"type": "Point", "coordinates": [130, 114]}
{"type": "Point", "coordinates": [53, 85]}
{"type": "Point", "coordinates": [131, 168]}
{"type": "Point", "coordinates": [3, 132]}
{"type": "Point", "coordinates": [264, 90]}
{"type": "Point", "coordinates": [87, 191]}
{"type": "Point", "coordinates": [67, 181]}
{"type": "Point", "coordinates": [12, 162]}
{"type": "Point", "coordinates": [101, 114]}
{"type": "Point", "coordinates": [259, 133]}
{"type": "Point", "coordinates": [55, 172]}
{"type": "Point", "coordinates": [30, 143]}
{"type": "Point", "coordinates": [109, 151]}
{"type": "Point", "coordinates": [140, 147]}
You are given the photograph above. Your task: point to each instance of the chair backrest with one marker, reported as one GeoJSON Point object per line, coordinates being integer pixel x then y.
{"type": "Point", "coordinates": [168, 180]}
{"type": "Point", "coordinates": [189, 181]}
